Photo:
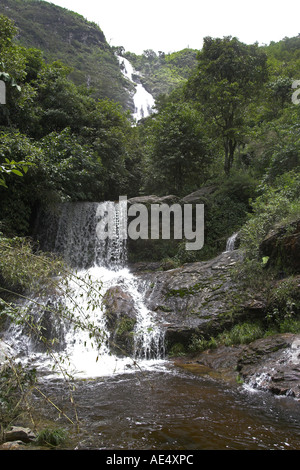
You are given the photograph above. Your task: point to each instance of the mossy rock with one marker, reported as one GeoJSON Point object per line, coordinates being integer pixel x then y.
{"type": "Point", "coordinates": [121, 320]}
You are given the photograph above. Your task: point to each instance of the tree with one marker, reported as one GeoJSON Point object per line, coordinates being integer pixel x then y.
{"type": "Point", "coordinates": [12, 69]}
{"type": "Point", "coordinates": [228, 78]}
{"type": "Point", "coordinates": [178, 150]}
{"type": "Point", "coordinates": [7, 32]}
{"type": "Point", "coordinates": [18, 194]}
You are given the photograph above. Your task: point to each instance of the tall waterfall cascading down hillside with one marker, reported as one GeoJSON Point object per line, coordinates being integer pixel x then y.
{"type": "Point", "coordinates": [142, 99]}
{"type": "Point", "coordinates": [100, 265]}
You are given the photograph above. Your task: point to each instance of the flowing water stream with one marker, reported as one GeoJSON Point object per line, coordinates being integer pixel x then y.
{"type": "Point", "coordinates": [145, 401]}
{"type": "Point", "coordinates": [143, 100]}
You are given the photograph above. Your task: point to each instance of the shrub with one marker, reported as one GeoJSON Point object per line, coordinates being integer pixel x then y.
{"type": "Point", "coordinates": [23, 269]}
{"type": "Point", "coordinates": [198, 344]}
{"type": "Point", "coordinates": [276, 204]}
{"type": "Point", "coordinates": [243, 333]}
{"type": "Point", "coordinates": [51, 437]}
{"type": "Point", "coordinates": [16, 383]}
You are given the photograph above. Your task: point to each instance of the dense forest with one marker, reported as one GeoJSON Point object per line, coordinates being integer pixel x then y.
{"type": "Point", "coordinates": [224, 119]}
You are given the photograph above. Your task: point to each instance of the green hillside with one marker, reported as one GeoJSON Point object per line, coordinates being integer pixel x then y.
{"type": "Point", "coordinates": [67, 36]}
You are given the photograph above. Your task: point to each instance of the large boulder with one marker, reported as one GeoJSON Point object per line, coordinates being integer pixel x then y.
{"type": "Point", "coordinates": [19, 433]}
{"type": "Point", "coordinates": [197, 196]}
{"type": "Point", "coordinates": [121, 319]}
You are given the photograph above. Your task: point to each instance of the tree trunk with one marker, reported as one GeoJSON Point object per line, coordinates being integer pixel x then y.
{"type": "Point", "coordinates": [229, 147]}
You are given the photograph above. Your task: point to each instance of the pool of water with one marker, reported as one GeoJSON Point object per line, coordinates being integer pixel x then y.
{"type": "Point", "coordinates": [170, 408]}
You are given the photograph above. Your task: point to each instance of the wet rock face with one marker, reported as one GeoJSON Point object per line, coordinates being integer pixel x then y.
{"type": "Point", "coordinates": [193, 298]}
{"type": "Point", "coordinates": [272, 364]}
{"type": "Point", "coordinates": [269, 364]}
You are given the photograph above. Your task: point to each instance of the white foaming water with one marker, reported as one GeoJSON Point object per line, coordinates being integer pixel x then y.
{"type": "Point", "coordinates": [143, 100]}
{"type": "Point", "coordinates": [230, 245]}
{"type": "Point", "coordinates": [84, 349]}
{"type": "Point", "coordinates": [85, 357]}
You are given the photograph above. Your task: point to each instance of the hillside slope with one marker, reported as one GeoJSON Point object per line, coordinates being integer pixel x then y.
{"type": "Point", "coordinates": [161, 73]}
{"type": "Point", "coordinates": [67, 36]}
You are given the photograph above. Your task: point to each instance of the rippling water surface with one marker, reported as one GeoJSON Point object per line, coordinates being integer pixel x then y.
{"type": "Point", "coordinates": [174, 409]}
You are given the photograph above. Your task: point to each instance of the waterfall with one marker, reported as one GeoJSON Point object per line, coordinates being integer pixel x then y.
{"type": "Point", "coordinates": [143, 100]}
{"type": "Point", "coordinates": [76, 239]}
{"type": "Point", "coordinates": [230, 244]}
{"type": "Point", "coordinates": [98, 264]}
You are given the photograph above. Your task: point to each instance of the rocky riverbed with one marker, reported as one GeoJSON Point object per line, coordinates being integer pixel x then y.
{"type": "Point", "coordinates": [202, 299]}
{"type": "Point", "coordinates": [270, 364]}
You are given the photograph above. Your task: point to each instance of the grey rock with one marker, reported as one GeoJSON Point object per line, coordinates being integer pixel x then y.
{"type": "Point", "coordinates": [193, 298]}
{"type": "Point", "coordinates": [18, 433]}
{"type": "Point", "coordinates": [120, 315]}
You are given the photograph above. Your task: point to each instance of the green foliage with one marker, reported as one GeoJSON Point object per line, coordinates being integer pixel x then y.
{"type": "Point", "coordinates": [12, 167]}
{"type": "Point", "coordinates": [73, 168]}
{"type": "Point", "coordinates": [178, 152]}
{"type": "Point", "coordinates": [276, 204]}
{"type": "Point", "coordinates": [17, 201]}
{"type": "Point", "coordinates": [7, 32]}
{"type": "Point", "coordinates": [228, 78]}
{"type": "Point", "coordinates": [243, 333]}
{"type": "Point", "coordinates": [23, 269]}
{"type": "Point", "coordinates": [286, 148]}
{"type": "Point", "coordinates": [284, 302]}
{"type": "Point", "coordinates": [52, 437]}
{"type": "Point", "coordinates": [273, 146]}
{"type": "Point", "coordinates": [199, 344]}
{"type": "Point", "coordinates": [177, 350]}
{"type": "Point", "coordinates": [283, 57]}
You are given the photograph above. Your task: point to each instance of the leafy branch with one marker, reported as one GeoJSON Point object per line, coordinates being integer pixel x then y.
{"type": "Point", "coordinates": [11, 167]}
